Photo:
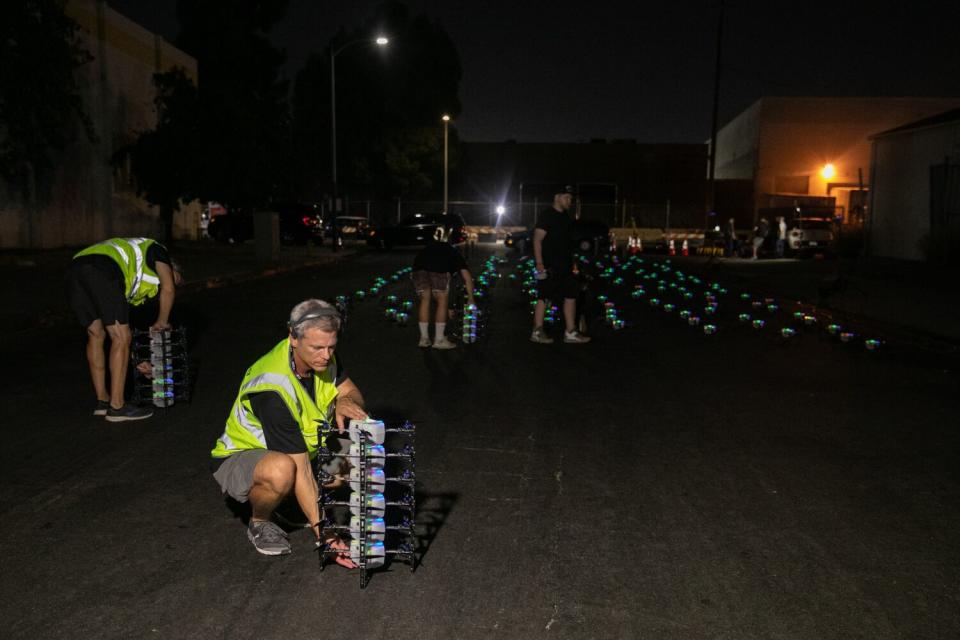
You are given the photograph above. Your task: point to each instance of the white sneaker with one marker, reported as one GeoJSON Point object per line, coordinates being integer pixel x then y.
{"type": "Point", "coordinates": [443, 343]}
{"type": "Point", "coordinates": [424, 342]}
{"type": "Point", "coordinates": [575, 337]}
{"type": "Point", "coordinates": [540, 337]}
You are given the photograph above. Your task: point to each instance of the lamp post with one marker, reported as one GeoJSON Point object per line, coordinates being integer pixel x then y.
{"type": "Point", "coordinates": [380, 41]}
{"type": "Point", "coordinates": [446, 124]}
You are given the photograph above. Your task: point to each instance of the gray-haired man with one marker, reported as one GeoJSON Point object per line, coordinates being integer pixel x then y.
{"type": "Point", "coordinates": [267, 449]}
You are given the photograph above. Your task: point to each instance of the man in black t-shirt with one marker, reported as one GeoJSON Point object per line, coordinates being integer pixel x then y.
{"type": "Point", "coordinates": [271, 442]}
{"type": "Point", "coordinates": [431, 279]}
{"type": "Point", "coordinates": [553, 254]}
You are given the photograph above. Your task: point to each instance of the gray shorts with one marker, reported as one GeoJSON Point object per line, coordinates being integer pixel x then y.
{"type": "Point", "coordinates": [430, 280]}
{"type": "Point", "coordinates": [235, 475]}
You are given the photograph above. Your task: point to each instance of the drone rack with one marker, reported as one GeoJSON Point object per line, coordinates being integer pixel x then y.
{"type": "Point", "coordinates": [381, 500]}
{"type": "Point", "coordinates": [166, 351]}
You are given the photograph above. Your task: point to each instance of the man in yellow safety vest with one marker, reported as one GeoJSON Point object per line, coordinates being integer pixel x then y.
{"type": "Point", "coordinates": [270, 442]}
{"type": "Point", "coordinates": [103, 281]}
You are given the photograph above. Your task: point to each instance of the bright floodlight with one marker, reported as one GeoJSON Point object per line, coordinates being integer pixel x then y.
{"type": "Point", "coordinates": [445, 118]}
{"type": "Point", "coordinates": [382, 41]}
{"type": "Point", "coordinates": [500, 210]}
{"type": "Point", "coordinates": [828, 171]}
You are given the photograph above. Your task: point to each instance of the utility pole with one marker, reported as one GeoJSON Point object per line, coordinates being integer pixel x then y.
{"type": "Point", "coordinates": [712, 186]}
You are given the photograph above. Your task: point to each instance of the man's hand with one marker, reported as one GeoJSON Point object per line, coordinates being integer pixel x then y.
{"type": "Point", "coordinates": [335, 543]}
{"type": "Point", "coordinates": [145, 368]}
{"type": "Point", "coordinates": [347, 407]}
{"type": "Point", "coordinates": [159, 326]}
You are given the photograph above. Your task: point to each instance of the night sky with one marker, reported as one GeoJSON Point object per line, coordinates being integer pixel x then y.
{"type": "Point", "coordinates": [570, 72]}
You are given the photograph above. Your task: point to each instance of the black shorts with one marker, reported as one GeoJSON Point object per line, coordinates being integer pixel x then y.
{"type": "Point", "coordinates": [558, 286]}
{"type": "Point", "coordinates": [96, 292]}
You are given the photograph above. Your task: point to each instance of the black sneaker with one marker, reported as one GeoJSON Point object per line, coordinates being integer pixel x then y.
{"type": "Point", "coordinates": [127, 412]}
{"type": "Point", "coordinates": [102, 406]}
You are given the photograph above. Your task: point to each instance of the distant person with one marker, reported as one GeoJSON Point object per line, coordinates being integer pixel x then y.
{"type": "Point", "coordinates": [269, 446]}
{"type": "Point", "coordinates": [730, 237]}
{"type": "Point", "coordinates": [102, 282]}
{"type": "Point", "coordinates": [781, 236]}
{"type": "Point", "coordinates": [432, 268]}
{"type": "Point", "coordinates": [553, 256]}
{"type": "Point", "coordinates": [760, 233]}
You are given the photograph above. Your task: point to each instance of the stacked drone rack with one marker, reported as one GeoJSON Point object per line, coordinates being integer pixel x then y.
{"type": "Point", "coordinates": [381, 502]}
{"type": "Point", "coordinates": [169, 380]}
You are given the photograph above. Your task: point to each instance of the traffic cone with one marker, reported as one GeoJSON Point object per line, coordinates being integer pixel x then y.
{"type": "Point", "coordinates": [672, 248]}
{"type": "Point", "coordinates": [685, 249]}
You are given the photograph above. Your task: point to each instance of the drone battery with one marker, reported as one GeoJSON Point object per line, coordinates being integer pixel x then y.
{"type": "Point", "coordinates": [376, 504]}
{"type": "Point", "coordinates": [373, 428]}
{"type": "Point", "coordinates": [375, 553]}
{"type": "Point", "coordinates": [375, 480]}
{"type": "Point", "coordinates": [376, 528]}
{"type": "Point", "coordinates": [374, 453]}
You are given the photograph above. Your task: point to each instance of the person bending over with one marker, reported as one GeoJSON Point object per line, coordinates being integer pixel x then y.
{"type": "Point", "coordinates": [102, 282]}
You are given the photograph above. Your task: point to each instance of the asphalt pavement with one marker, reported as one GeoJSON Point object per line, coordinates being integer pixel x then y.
{"type": "Point", "coordinates": [658, 482]}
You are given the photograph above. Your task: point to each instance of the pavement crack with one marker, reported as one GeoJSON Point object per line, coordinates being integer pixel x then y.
{"type": "Point", "coordinates": [555, 555]}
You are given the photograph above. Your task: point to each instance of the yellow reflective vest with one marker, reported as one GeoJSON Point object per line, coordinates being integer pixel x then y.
{"type": "Point", "coordinates": [140, 281]}
{"type": "Point", "coordinates": [272, 373]}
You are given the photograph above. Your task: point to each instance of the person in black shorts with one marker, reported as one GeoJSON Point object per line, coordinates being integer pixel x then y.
{"type": "Point", "coordinates": [431, 279]}
{"type": "Point", "coordinates": [553, 255]}
{"type": "Point", "coordinates": [102, 282]}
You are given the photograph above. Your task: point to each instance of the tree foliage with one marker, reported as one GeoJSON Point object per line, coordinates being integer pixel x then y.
{"type": "Point", "coordinates": [389, 103]}
{"type": "Point", "coordinates": [228, 139]}
{"type": "Point", "coordinates": [165, 159]}
{"type": "Point", "coordinates": [41, 109]}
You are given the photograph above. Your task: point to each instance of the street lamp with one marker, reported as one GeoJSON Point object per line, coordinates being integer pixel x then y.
{"type": "Point", "coordinates": [446, 124]}
{"type": "Point", "coordinates": [380, 41]}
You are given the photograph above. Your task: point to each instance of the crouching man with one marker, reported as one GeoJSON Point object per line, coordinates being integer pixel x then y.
{"type": "Point", "coordinates": [268, 448]}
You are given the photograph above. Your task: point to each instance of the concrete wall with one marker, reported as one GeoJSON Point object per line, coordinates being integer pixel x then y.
{"type": "Point", "coordinates": [900, 221]}
{"type": "Point", "coordinates": [86, 199]}
{"type": "Point", "coordinates": [737, 145]}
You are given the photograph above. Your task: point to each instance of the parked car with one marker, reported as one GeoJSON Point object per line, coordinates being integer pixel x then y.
{"type": "Point", "coordinates": [298, 224]}
{"type": "Point", "coordinates": [348, 228]}
{"type": "Point", "coordinates": [811, 235]}
{"type": "Point", "coordinates": [519, 240]}
{"type": "Point", "coordinates": [590, 238]}
{"type": "Point", "coordinates": [418, 229]}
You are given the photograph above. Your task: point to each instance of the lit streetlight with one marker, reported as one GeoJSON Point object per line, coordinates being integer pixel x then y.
{"type": "Point", "coordinates": [380, 41]}
{"type": "Point", "coordinates": [446, 124]}
{"type": "Point", "coordinates": [828, 172]}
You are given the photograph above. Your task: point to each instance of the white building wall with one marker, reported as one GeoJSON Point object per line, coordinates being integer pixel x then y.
{"type": "Point", "coordinates": [86, 200]}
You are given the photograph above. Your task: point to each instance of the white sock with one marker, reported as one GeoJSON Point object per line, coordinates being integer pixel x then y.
{"type": "Point", "coordinates": [424, 329]}
{"type": "Point", "coordinates": [441, 327]}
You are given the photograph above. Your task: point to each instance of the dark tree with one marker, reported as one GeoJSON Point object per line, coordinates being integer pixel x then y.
{"type": "Point", "coordinates": [165, 160]}
{"type": "Point", "coordinates": [389, 103]}
{"type": "Point", "coordinates": [41, 110]}
{"type": "Point", "coordinates": [228, 139]}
